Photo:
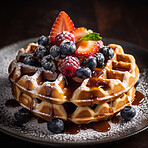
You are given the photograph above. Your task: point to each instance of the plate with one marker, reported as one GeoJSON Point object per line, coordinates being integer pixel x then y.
{"type": "Point", "coordinates": [38, 133]}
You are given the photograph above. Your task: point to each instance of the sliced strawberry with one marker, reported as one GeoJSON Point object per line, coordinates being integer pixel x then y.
{"type": "Point", "coordinates": [62, 23]}
{"type": "Point", "coordinates": [86, 48]}
{"type": "Point", "coordinates": [79, 32]}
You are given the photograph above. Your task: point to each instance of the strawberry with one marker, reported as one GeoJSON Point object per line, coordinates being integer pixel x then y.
{"type": "Point", "coordinates": [79, 32]}
{"type": "Point", "coordinates": [62, 23]}
{"type": "Point", "coordinates": [86, 48]}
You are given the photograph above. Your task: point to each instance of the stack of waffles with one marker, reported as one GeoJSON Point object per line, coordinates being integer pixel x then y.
{"type": "Point", "coordinates": [48, 95]}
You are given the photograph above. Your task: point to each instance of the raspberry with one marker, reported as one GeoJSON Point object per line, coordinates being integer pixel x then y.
{"type": "Point", "coordinates": [69, 66]}
{"type": "Point", "coordinates": [99, 44]}
{"type": "Point", "coordinates": [60, 37]}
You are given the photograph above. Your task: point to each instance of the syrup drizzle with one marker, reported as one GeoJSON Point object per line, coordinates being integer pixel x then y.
{"type": "Point", "coordinates": [101, 126]}
{"type": "Point", "coordinates": [71, 128]}
{"type": "Point", "coordinates": [114, 119]}
{"type": "Point", "coordinates": [71, 86]}
{"type": "Point", "coordinates": [139, 98]}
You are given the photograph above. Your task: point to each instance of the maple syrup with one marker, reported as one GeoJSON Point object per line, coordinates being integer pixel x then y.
{"type": "Point", "coordinates": [97, 72]}
{"type": "Point", "coordinates": [120, 68]}
{"type": "Point", "coordinates": [139, 98]}
{"type": "Point", "coordinates": [101, 126]}
{"type": "Point", "coordinates": [71, 128]}
{"type": "Point", "coordinates": [71, 86]}
{"type": "Point", "coordinates": [114, 119]}
{"type": "Point", "coordinates": [93, 82]}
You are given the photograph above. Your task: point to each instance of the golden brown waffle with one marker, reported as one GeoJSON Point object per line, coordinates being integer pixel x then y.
{"type": "Point", "coordinates": [46, 94]}
{"type": "Point", "coordinates": [68, 111]}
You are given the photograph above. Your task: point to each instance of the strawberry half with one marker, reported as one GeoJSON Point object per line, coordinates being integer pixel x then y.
{"type": "Point", "coordinates": [62, 23]}
{"type": "Point", "coordinates": [79, 32]}
{"type": "Point", "coordinates": [86, 48]}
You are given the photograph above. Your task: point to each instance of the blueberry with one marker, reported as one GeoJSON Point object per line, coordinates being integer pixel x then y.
{"type": "Point", "coordinates": [47, 63]}
{"type": "Point", "coordinates": [107, 52]}
{"type": "Point", "coordinates": [40, 52]}
{"type": "Point", "coordinates": [128, 112]}
{"type": "Point", "coordinates": [83, 72]}
{"type": "Point", "coordinates": [55, 51]}
{"type": "Point", "coordinates": [43, 40]}
{"type": "Point", "coordinates": [67, 47]}
{"type": "Point", "coordinates": [30, 60]}
{"type": "Point", "coordinates": [137, 83]}
{"type": "Point", "coordinates": [90, 62]}
{"type": "Point", "coordinates": [23, 115]}
{"type": "Point", "coordinates": [100, 59]}
{"type": "Point", "coordinates": [55, 125]}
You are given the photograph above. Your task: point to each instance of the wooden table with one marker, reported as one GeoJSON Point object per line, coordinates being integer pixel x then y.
{"type": "Point", "coordinates": [121, 20]}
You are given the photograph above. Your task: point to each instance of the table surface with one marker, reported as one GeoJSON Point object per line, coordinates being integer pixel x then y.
{"type": "Point", "coordinates": [119, 19]}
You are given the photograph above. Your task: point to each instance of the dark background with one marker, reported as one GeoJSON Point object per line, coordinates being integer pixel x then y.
{"type": "Point", "coordinates": [125, 20]}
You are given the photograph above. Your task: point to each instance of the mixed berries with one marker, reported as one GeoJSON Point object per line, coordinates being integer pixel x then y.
{"type": "Point", "coordinates": [75, 52]}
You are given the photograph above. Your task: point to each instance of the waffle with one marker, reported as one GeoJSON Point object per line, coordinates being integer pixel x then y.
{"type": "Point", "coordinates": [47, 95]}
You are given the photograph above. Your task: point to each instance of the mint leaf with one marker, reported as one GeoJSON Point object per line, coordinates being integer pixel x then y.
{"type": "Point", "coordinates": [92, 37]}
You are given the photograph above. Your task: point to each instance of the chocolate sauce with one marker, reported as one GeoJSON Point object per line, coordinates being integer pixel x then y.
{"type": "Point", "coordinates": [101, 126]}
{"type": "Point", "coordinates": [12, 103]}
{"type": "Point", "coordinates": [139, 98]}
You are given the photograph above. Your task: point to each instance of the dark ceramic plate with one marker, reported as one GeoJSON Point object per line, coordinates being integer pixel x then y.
{"type": "Point", "coordinates": [38, 133]}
